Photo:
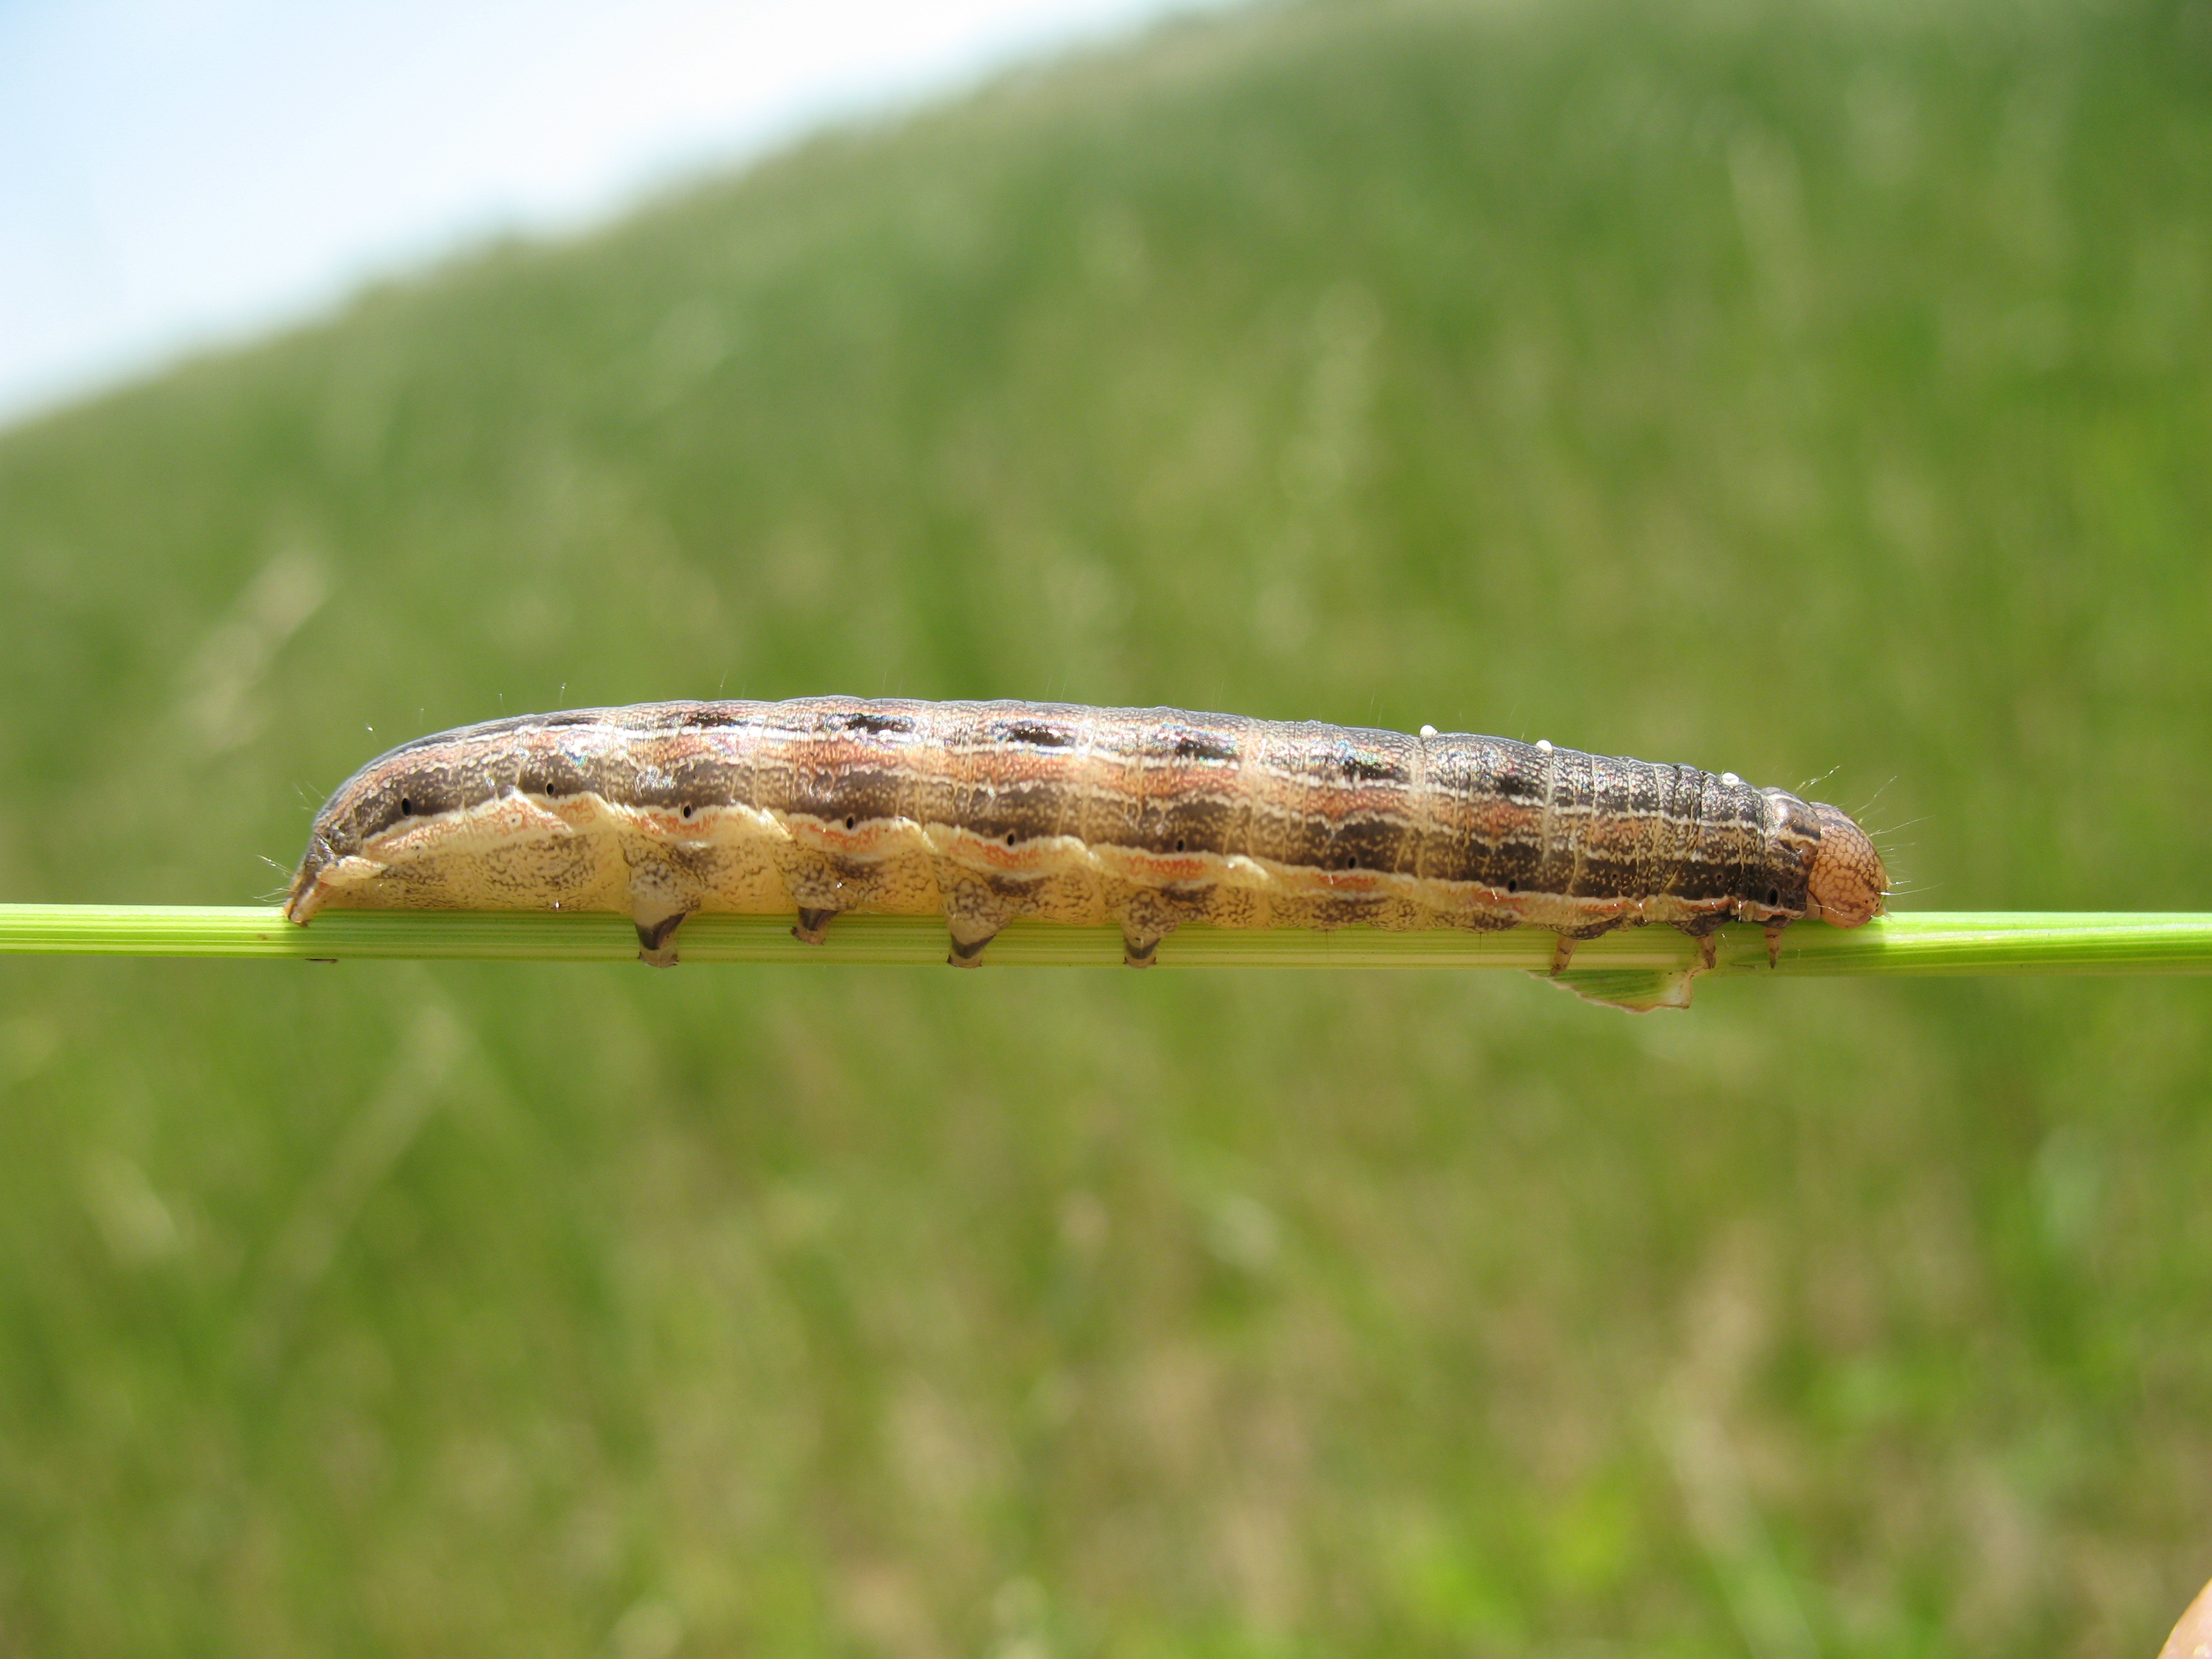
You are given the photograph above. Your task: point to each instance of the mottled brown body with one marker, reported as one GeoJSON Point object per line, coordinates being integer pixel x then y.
{"type": "Point", "coordinates": [1146, 818]}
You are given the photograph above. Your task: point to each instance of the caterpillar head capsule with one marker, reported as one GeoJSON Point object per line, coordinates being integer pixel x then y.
{"type": "Point", "coordinates": [1847, 883]}
{"type": "Point", "coordinates": [411, 801]}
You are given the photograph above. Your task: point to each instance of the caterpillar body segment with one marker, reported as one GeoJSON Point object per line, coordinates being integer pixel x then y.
{"type": "Point", "coordinates": [1143, 818]}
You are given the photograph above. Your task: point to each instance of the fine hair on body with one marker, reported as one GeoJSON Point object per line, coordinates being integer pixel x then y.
{"type": "Point", "coordinates": [1143, 818]}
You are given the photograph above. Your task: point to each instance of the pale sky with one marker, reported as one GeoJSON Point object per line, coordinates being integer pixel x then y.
{"type": "Point", "coordinates": [174, 173]}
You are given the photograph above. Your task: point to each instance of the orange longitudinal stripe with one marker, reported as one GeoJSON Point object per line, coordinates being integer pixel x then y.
{"type": "Point", "coordinates": [1147, 817]}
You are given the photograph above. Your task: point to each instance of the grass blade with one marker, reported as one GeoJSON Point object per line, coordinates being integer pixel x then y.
{"type": "Point", "coordinates": [1969, 942]}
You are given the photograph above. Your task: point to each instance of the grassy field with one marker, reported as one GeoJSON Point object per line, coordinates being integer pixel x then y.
{"type": "Point", "coordinates": [1802, 390]}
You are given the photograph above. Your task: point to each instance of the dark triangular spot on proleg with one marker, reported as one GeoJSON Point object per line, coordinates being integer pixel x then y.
{"type": "Point", "coordinates": [814, 925]}
{"type": "Point", "coordinates": [1562, 952]}
{"type": "Point", "coordinates": [653, 940]}
{"type": "Point", "coordinates": [968, 952]}
{"type": "Point", "coordinates": [1140, 954]}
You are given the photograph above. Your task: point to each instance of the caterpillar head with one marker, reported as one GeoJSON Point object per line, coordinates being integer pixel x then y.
{"type": "Point", "coordinates": [1847, 883]}
{"type": "Point", "coordinates": [418, 792]}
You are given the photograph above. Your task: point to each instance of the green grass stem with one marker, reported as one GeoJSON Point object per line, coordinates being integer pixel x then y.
{"type": "Point", "coordinates": [1947, 942]}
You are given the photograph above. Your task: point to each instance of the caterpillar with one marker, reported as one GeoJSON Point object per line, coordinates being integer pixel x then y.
{"type": "Point", "coordinates": [1145, 817]}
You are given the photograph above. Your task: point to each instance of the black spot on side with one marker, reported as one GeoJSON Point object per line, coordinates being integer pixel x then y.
{"type": "Point", "coordinates": [1367, 844]}
{"type": "Point", "coordinates": [420, 794]}
{"type": "Point", "coordinates": [715, 716]}
{"type": "Point", "coordinates": [1025, 813]}
{"type": "Point", "coordinates": [550, 774]}
{"type": "Point", "coordinates": [1511, 865]}
{"type": "Point", "coordinates": [703, 782]}
{"type": "Point", "coordinates": [1036, 734]}
{"type": "Point", "coordinates": [873, 724]}
{"type": "Point", "coordinates": [1201, 825]}
{"type": "Point", "coordinates": [1780, 885]}
{"type": "Point", "coordinates": [1360, 768]}
{"type": "Point", "coordinates": [1203, 746]}
{"type": "Point", "coordinates": [854, 795]}
{"type": "Point", "coordinates": [1522, 788]}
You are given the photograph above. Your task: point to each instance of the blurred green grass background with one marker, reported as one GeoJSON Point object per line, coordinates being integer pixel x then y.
{"type": "Point", "coordinates": [1799, 390]}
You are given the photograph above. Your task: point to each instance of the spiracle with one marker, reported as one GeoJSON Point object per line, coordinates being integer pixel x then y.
{"type": "Point", "coordinates": [1143, 818]}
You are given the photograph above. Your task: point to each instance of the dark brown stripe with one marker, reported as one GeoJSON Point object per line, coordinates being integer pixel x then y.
{"type": "Point", "coordinates": [1514, 818]}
